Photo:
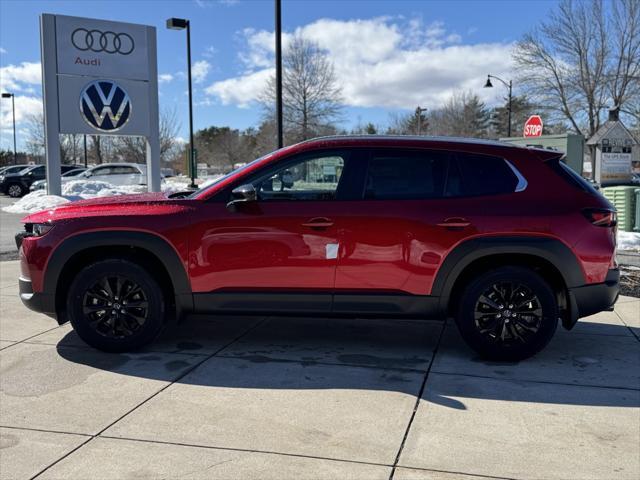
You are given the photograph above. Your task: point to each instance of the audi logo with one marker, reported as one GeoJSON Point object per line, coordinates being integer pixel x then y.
{"type": "Point", "coordinates": [97, 41]}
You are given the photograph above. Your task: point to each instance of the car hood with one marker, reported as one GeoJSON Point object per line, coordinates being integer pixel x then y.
{"type": "Point", "coordinates": [137, 204]}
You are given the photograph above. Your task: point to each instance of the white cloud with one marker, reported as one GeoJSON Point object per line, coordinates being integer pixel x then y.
{"type": "Point", "coordinates": [2, 50]}
{"type": "Point", "coordinates": [23, 81]}
{"type": "Point", "coordinates": [12, 77]}
{"type": "Point", "coordinates": [165, 78]}
{"type": "Point", "coordinates": [209, 52]}
{"type": "Point", "coordinates": [200, 70]}
{"type": "Point", "coordinates": [240, 90]}
{"type": "Point", "coordinates": [379, 62]}
{"type": "Point", "coordinates": [25, 107]}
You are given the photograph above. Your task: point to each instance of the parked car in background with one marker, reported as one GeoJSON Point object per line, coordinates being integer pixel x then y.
{"type": "Point", "coordinates": [13, 168]}
{"type": "Point", "coordinates": [42, 184]}
{"type": "Point", "coordinates": [113, 173]}
{"type": "Point", "coordinates": [507, 240]}
{"type": "Point", "coordinates": [18, 184]}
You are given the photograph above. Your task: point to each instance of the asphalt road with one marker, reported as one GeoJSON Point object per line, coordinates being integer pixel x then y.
{"type": "Point", "coordinates": [9, 225]}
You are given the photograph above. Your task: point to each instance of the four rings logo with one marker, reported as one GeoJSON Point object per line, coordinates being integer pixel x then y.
{"type": "Point", "coordinates": [105, 105]}
{"type": "Point", "coordinates": [97, 41]}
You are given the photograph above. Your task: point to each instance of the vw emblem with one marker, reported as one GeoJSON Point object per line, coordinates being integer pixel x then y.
{"type": "Point", "coordinates": [105, 106]}
{"type": "Point", "coordinates": [97, 41]}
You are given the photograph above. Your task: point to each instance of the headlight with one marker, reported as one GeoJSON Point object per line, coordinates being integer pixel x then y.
{"type": "Point", "coordinates": [39, 229]}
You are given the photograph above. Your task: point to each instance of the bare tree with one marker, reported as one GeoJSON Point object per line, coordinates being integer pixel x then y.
{"type": "Point", "coordinates": [582, 58]}
{"type": "Point", "coordinates": [35, 143]}
{"type": "Point", "coordinates": [310, 93]}
{"type": "Point", "coordinates": [35, 134]}
{"type": "Point", "coordinates": [133, 149]}
{"type": "Point", "coordinates": [462, 115]}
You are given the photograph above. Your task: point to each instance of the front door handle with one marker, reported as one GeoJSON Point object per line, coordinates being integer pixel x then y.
{"type": "Point", "coordinates": [318, 223]}
{"type": "Point", "coordinates": [455, 222]}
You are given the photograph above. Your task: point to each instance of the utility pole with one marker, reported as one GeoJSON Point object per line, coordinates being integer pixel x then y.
{"type": "Point", "coordinates": [419, 111]}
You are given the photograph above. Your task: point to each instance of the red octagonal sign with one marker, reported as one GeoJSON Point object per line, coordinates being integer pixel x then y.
{"type": "Point", "coordinates": [533, 126]}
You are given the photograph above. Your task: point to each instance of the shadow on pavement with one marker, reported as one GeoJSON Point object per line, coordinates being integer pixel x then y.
{"type": "Point", "coordinates": [302, 359]}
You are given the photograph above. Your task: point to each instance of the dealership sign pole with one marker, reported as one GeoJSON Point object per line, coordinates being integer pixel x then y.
{"type": "Point", "coordinates": [99, 78]}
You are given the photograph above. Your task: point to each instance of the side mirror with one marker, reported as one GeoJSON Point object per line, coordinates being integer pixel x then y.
{"type": "Point", "coordinates": [243, 194]}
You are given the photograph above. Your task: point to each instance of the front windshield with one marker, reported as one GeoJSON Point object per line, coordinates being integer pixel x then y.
{"type": "Point", "coordinates": [235, 172]}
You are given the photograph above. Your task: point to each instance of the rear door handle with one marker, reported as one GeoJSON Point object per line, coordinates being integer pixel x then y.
{"type": "Point", "coordinates": [318, 223]}
{"type": "Point", "coordinates": [455, 222]}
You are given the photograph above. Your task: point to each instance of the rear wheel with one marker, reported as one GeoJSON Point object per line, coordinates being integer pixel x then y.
{"type": "Point", "coordinates": [510, 313]}
{"type": "Point", "coordinates": [116, 305]}
{"type": "Point", "coordinates": [15, 190]}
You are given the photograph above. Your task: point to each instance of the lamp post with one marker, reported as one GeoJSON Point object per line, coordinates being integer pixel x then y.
{"type": "Point", "coordinates": [13, 108]}
{"type": "Point", "coordinates": [509, 85]}
{"type": "Point", "coordinates": [279, 73]}
{"type": "Point", "coordinates": [181, 24]}
{"type": "Point", "coordinates": [419, 111]}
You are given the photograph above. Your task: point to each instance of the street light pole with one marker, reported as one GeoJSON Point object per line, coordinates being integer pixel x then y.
{"type": "Point", "coordinates": [509, 85]}
{"type": "Point", "coordinates": [13, 108]}
{"type": "Point", "coordinates": [180, 24]}
{"type": "Point", "coordinates": [279, 73]}
{"type": "Point", "coordinates": [419, 111]}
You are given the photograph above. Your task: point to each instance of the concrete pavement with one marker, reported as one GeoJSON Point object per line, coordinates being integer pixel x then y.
{"type": "Point", "coordinates": [255, 397]}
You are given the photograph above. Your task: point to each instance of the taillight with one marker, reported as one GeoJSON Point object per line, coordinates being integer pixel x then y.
{"type": "Point", "coordinates": [601, 217]}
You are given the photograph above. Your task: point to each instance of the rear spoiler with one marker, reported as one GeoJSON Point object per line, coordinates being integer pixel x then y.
{"type": "Point", "coordinates": [548, 155]}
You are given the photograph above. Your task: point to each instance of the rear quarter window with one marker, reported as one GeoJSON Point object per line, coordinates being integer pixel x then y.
{"type": "Point", "coordinates": [570, 176]}
{"type": "Point", "coordinates": [474, 175]}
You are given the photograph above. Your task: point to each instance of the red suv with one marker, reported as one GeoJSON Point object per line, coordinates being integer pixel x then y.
{"type": "Point", "coordinates": [507, 240]}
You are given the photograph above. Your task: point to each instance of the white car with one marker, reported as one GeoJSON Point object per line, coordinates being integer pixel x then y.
{"type": "Point", "coordinates": [42, 184]}
{"type": "Point", "coordinates": [113, 173]}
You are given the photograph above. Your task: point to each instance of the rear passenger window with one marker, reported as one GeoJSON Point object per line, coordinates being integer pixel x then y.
{"type": "Point", "coordinates": [473, 175]}
{"type": "Point", "coordinates": [407, 176]}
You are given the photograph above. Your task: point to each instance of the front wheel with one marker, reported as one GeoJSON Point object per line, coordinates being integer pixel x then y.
{"type": "Point", "coordinates": [116, 305]}
{"type": "Point", "coordinates": [510, 313]}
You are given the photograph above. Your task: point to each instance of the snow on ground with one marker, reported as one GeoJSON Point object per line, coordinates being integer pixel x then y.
{"type": "Point", "coordinates": [629, 241]}
{"type": "Point", "coordinates": [83, 189]}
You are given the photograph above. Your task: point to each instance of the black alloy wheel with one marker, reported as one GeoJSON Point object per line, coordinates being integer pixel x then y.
{"type": "Point", "coordinates": [116, 305]}
{"type": "Point", "coordinates": [509, 313]}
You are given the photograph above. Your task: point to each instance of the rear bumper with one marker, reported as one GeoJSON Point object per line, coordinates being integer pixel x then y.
{"type": "Point", "coordinates": [590, 299]}
{"type": "Point", "coordinates": [38, 302]}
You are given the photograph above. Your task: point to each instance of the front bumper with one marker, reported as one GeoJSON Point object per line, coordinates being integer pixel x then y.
{"type": "Point", "coordinates": [36, 301]}
{"type": "Point", "coordinates": [590, 299]}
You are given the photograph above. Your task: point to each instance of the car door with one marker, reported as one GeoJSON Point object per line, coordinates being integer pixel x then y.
{"type": "Point", "coordinates": [278, 253]}
{"type": "Point", "coordinates": [393, 240]}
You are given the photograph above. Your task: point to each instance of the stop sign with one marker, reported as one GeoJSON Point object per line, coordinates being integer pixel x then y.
{"type": "Point", "coordinates": [533, 126]}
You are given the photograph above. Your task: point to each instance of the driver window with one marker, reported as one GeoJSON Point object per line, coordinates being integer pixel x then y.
{"type": "Point", "coordinates": [310, 179]}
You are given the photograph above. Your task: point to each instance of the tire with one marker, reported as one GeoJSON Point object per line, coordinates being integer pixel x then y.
{"type": "Point", "coordinates": [525, 328]}
{"type": "Point", "coordinates": [134, 306]}
{"type": "Point", "coordinates": [15, 190]}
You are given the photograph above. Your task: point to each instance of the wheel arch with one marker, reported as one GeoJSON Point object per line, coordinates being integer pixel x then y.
{"type": "Point", "coordinates": [549, 257]}
{"type": "Point", "coordinates": [149, 250]}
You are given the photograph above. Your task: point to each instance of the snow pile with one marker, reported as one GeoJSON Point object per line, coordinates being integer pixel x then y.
{"type": "Point", "coordinates": [34, 202]}
{"type": "Point", "coordinates": [96, 188]}
{"type": "Point", "coordinates": [629, 241]}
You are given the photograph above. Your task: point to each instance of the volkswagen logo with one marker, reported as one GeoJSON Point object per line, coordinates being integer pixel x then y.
{"type": "Point", "coordinates": [97, 41]}
{"type": "Point", "coordinates": [105, 106]}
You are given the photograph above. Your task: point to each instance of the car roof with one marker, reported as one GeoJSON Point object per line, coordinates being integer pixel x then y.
{"type": "Point", "coordinates": [413, 140]}
{"type": "Point", "coordinates": [120, 164]}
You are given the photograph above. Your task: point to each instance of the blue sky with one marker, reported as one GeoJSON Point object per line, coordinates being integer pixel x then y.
{"type": "Point", "coordinates": [389, 56]}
